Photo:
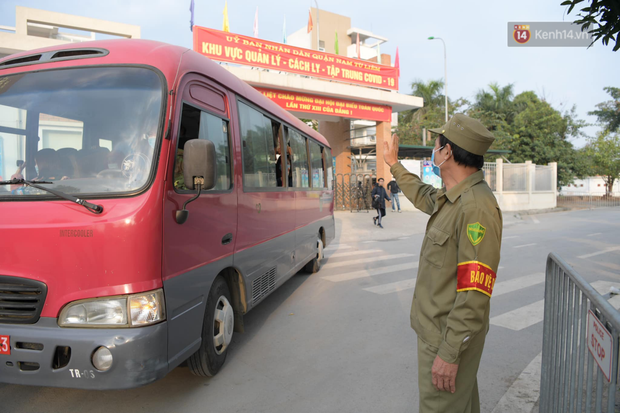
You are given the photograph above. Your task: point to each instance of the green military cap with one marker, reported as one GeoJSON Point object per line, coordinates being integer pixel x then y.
{"type": "Point", "coordinates": [468, 133]}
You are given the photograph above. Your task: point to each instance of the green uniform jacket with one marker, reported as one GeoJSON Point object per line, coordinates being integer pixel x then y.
{"type": "Point", "coordinates": [458, 261]}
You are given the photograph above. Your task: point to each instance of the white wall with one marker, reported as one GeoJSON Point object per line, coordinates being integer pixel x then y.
{"type": "Point", "coordinates": [593, 185]}
{"type": "Point", "coordinates": [366, 52]}
{"type": "Point", "coordinates": [301, 38]}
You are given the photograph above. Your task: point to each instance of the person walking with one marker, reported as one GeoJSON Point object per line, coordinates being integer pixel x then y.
{"type": "Point", "coordinates": [379, 196]}
{"type": "Point", "coordinates": [458, 264]}
{"type": "Point", "coordinates": [394, 190]}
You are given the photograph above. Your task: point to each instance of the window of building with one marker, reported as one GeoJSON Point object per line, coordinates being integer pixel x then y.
{"type": "Point", "coordinates": [300, 159]}
{"type": "Point", "coordinates": [316, 161]}
{"type": "Point", "coordinates": [197, 124]}
{"type": "Point", "coordinates": [260, 141]}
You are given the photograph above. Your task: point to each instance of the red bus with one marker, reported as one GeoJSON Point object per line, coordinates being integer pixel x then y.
{"type": "Point", "coordinates": [150, 199]}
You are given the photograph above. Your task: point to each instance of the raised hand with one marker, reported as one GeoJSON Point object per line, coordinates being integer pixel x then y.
{"type": "Point", "coordinates": [390, 150]}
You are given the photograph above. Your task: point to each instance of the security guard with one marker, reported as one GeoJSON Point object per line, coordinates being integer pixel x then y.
{"type": "Point", "coordinates": [458, 264]}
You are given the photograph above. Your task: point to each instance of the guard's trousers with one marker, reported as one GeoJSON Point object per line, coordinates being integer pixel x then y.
{"type": "Point", "coordinates": [465, 399]}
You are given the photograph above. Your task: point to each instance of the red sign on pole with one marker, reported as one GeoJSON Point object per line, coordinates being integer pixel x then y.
{"type": "Point", "coordinates": [299, 102]}
{"type": "Point", "coordinates": [245, 50]}
{"type": "Point", "coordinates": [600, 344]}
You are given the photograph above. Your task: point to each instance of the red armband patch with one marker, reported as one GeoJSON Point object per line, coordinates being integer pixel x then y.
{"type": "Point", "coordinates": [474, 275]}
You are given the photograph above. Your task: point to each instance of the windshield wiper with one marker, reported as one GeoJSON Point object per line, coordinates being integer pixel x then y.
{"type": "Point", "coordinates": [94, 208]}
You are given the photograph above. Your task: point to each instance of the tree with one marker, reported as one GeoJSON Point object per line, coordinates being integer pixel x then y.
{"type": "Point", "coordinates": [608, 113]}
{"type": "Point", "coordinates": [432, 115]}
{"type": "Point", "coordinates": [313, 123]}
{"type": "Point", "coordinates": [431, 94]}
{"type": "Point", "coordinates": [603, 16]}
{"type": "Point", "coordinates": [496, 110]}
{"type": "Point", "coordinates": [541, 134]}
{"type": "Point", "coordinates": [604, 151]}
{"type": "Point", "coordinates": [497, 99]}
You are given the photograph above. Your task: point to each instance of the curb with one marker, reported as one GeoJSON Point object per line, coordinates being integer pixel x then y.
{"type": "Point", "coordinates": [541, 211]}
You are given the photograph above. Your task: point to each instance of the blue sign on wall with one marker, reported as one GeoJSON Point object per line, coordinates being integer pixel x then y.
{"type": "Point", "coordinates": [428, 177]}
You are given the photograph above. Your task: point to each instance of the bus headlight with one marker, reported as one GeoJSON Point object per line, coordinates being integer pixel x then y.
{"type": "Point", "coordinates": [95, 313]}
{"type": "Point", "coordinates": [125, 311]}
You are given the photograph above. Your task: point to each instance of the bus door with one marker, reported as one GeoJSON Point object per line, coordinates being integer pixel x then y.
{"type": "Point", "coordinates": [305, 200]}
{"type": "Point", "coordinates": [265, 249]}
{"type": "Point", "coordinates": [196, 251]}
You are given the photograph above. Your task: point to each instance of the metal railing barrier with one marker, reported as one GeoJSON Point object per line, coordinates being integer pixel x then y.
{"type": "Point", "coordinates": [583, 200]}
{"type": "Point", "coordinates": [352, 191]}
{"type": "Point", "coordinates": [580, 344]}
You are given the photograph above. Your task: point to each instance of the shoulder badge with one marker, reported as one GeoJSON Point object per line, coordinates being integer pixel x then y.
{"type": "Point", "coordinates": [475, 233]}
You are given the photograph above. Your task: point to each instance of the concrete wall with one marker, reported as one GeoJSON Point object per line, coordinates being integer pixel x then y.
{"type": "Point", "coordinates": [328, 24]}
{"type": "Point", "coordinates": [593, 185]}
{"type": "Point", "coordinates": [301, 38]}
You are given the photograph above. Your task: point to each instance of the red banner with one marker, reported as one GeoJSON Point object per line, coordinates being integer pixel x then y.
{"type": "Point", "coordinates": [245, 50]}
{"type": "Point", "coordinates": [298, 102]}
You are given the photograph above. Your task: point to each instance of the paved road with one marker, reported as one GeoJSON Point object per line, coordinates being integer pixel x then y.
{"type": "Point", "coordinates": [339, 340]}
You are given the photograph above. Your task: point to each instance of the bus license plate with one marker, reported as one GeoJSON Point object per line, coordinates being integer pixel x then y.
{"type": "Point", "coordinates": [5, 345]}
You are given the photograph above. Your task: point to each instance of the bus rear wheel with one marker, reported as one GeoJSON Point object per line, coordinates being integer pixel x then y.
{"type": "Point", "coordinates": [314, 265]}
{"type": "Point", "coordinates": [217, 332]}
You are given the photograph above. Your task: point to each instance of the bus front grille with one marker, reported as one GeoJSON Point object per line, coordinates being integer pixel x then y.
{"type": "Point", "coordinates": [263, 285]}
{"type": "Point", "coordinates": [21, 300]}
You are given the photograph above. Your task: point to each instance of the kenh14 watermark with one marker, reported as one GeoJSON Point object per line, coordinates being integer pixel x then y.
{"type": "Point", "coordinates": [547, 34]}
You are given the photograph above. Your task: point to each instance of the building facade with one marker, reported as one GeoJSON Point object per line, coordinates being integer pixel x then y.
{"type": "Point", "coordinates": [356, 142]}
{"type": "Point", "coordinates": [35, 29]}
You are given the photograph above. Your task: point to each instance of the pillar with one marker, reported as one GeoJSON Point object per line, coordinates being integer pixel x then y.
{"type": "Point", "coordinates": [338, 135]}
{"type": "Point", "coordinates": [529, 181]}
{"type": "Point", "coordinates": [554, 182]}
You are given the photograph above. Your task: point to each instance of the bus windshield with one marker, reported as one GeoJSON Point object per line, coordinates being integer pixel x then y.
{"type": "Point", "coordinates": [87, 130]}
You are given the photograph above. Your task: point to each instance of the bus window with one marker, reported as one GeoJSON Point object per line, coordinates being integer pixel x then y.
{"type": "Point", "coordinates": [329, 168]}
{"type": "Point", "coordinates": [196, 124]}
{"type": "Point", "coordinates": [259, 149]}
{"type": "Point", "coordinates": [85, 130]}
{"type": "Point", "coordinates": [316, 160]}
{"type": "Point", "coordinates": [300, 159]}
{"type": "Point", "coordinates": [282, 161]}
{"type": "Point", "coordinates": [58, 133]}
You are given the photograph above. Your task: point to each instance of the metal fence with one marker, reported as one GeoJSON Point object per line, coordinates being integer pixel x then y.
{"type": "Point", "coordinates": [571, 380]}
{"type": "Point", "coordinates": [515, 177]}
{"type": "Point", "coordinates": [587, 201]}
{"type": "Point", "coordinates": [543, 178]}
{"type": "Point", "coordinates": [490, 174]}
{"type": "Point", "coordinates": [352, 192]}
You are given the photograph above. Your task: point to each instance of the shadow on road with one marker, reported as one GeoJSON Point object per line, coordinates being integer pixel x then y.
{"type": "Point", "coordinates": [169, 394]}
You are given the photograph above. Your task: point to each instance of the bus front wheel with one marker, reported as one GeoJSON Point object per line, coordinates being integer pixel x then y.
{"type": "Point", "coordinates": [314, 265]}
{"type": "Point", "coordinates": [217, 331]}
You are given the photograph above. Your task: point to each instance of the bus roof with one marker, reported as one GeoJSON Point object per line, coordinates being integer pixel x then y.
{"type": "Point", "coordinates": [163, 56]}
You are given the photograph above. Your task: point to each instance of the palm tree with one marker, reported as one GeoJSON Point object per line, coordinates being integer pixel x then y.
{"type": "Point", "coordinates": [498, 99]}
{"type": "Point", "coordinates": [431, 93]}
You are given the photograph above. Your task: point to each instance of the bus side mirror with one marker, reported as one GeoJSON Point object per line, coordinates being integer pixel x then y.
{"type": "Point", "coordinates": [199, 161]}
{"type": "Point", "coordinates": [198, 170]}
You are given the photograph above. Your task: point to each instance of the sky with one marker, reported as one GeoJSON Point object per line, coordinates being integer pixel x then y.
{"type": "Point", "coordinates": [475, 34]}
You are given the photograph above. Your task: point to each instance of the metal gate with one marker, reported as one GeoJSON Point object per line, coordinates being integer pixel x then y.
{"type": "Point", "coordinates": [352, 192]}
{"type": "Point", "coordinates": [569, 370]}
